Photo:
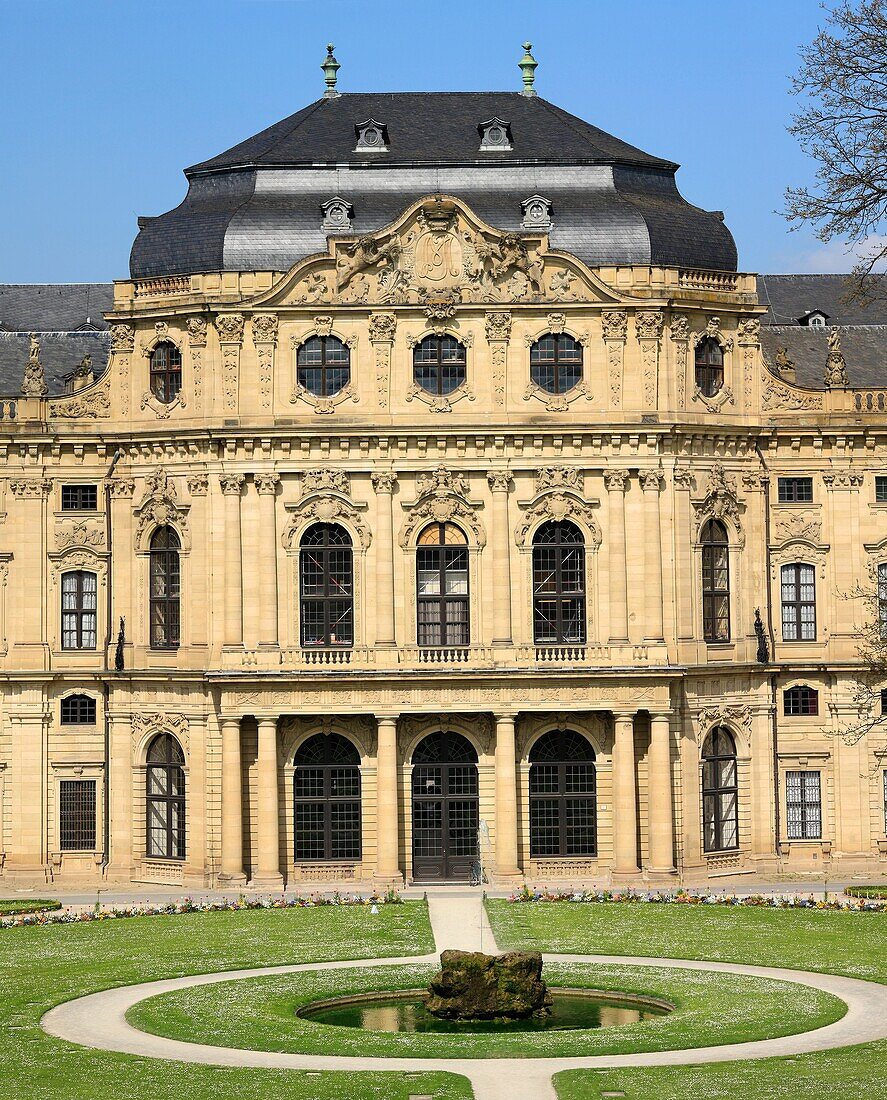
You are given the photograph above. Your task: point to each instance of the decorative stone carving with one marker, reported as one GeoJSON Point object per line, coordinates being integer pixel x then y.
{"type": "Point", "coordinates": [748, 330]}
{"type": "Point", "coordinates": [317, 508]}
{"type": "Point", "coordinates": [713, 331]}
{"type": "Point", "coordinates": [648, 324]}
{"type": "Point", "coordinates": [198, 485]}
{"type": "Point", "coordinates": [441, 497]}
{"type": "Point", "coordinates": [739, 717]}
{"type": "Point", "coordinates": [651, 481]}
{"type": "Point", "coordinates": [537, 213]}
{"type": "Point", "coordinates": [325, 479]}
{"type": "Point", "coordinates": [382, 326]}
{"type": "Point", "coordinates": [440, 314]}
{"type": "Point", "coordinates": [802, 525]}
{"type": "Point", "coordinates": [121, 487]}
{"type": "Point", "coordinates": [159, 507]}
{"type": "Point", "coordinates": [559, 477]}
{"type": "Point", "coordinates": [92, 404]}
{"type": "Point", "coordinates": [776, 396]}
{"type": "Point", "coordinates": [793, 552]}
{"type": "Point", "coordinates": [162, 409]}
{"type": "Point", "coordinates": [34, 381]}
{"type": "Point", "coordinates": [843, 479]}
{"type": "Point", "coordinates": [441, 480]}
{"type": "Point", "coordinates": [679, 327]}
{"type": "Point", "coordinates": [266, 483]}
{"type": "Point", "coordinates": [616, 480]}
{"type": "Point", "coordinates": [560, 286]}
{"type": "Point", "coordinates": [30, 488]}
{"type": "Point", "coordinates": [229, 327]}
{"type": "Point", "coordinates": [500, 480]}
{"type": "Point", "coordinates": [122, 338]}
{"type": "Point", "coordinates": [557, 507]}
{"type": "Point", "coordinates": [683, 477]}
{"type": "Point", "coordinates": [146, 725]}
{"type": "Point", "coordinates": [751, 481]}
{"type": "Point", "coordinates": [720, 500]}
{"type": "Point", "coordinates": [196, 328]}
{"type": "Point", "coordinates": [264, 326]}
{"type": "Point", "coordinates": [231, 484]}
{"type": "Point", "coordinates": [724, 396]}
{"type": "Point", "coordinates": [80, 533]}
{"type": "Point", "coordinates": [614, 323]}
{"type": "Point", "coordinates": [384, 482]}
{"type": "Point", "coordinates": [438, 403]}
{"type": "Point", "coordinates": [680, 334]}
{"type": "Point", "coordinates": [835, 365]}
{"type": "Point", "coordinates": [323, 324]}
{"type": "Point", "coordinates": [337, 215]}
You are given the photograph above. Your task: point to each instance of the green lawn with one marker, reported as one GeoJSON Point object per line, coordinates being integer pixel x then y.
{"type": "Point", "coordinates": [10, 907]}
{"type": "Point", "coordinates": [39, 967]}
{"type": "Point", "coordinates": [260, 1013]}
{"type": "Point", "coordinates": [839, 943]}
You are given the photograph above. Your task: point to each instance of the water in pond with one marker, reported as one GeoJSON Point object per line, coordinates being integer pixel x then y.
{"type": "Point", "coordinates": [571, 1011]}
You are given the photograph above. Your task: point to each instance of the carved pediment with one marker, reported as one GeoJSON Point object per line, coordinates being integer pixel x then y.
{"type": "Point", "coordinates": [441, 497]}
{"type": "Point", "coordinates": [159, 507]}
{"type": "Point", "coordinates": [325, 498]}
{"type": "Point", "coordinates": [559, 505]}
{"type": "Point", "coordinates": [438, 249]}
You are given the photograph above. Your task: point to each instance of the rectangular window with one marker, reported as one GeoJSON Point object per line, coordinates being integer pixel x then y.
{"type": "Point", "coordinates": [883, 701]}
{"type": "Point", "coordinates": [795, 490]}
{"type": "Point", "coordinates": [803, 805]}
{"type": "Point", "coordinates": [79, 498]}
{"type": "Point", "coordinates": [801, 700]}
{"type": "Point", "coordinates": [881, 490]}
{"type": "Point", "coordinates": [79, 610]}
{"type": "Point", "coordinates": [78, 710]}
{"type": "Point", "coordinates": [798, 603]}
{"type": "Point", "coordinates": [77, 815]}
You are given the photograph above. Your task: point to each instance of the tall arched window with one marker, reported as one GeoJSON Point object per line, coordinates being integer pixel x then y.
{"type": "Point", "coordinates": [882, 599]}
{"type": "Point", "coordinates": [439, 364]}
{"type": "Point", "coordinates": [79, 591]}
{"type": "Point", "coordinates": [558, 584]}
{"type": "Point", "coordinates": [709, 366]}
{"type": "Point", "coordinates": [556, 362]}
{"type": "Point", "coordinates": [563, 796]}
{"type": "Point", "coordinates": [165, 798]}
{"type": "Point", "coordinates": [165, 589]}
{"type": "Point", "coordinates": [323, 366]}
{"type": "Point", "coordinates": [715, 582]}
{"type": "Point", "coordinates": [720, 811]}
{"type": "Point", "coordinates": [442, 586]}
{"type": "Point", "coordinates": [326, 799]}
{"type": "Point", "coordinates": [798, 603]}
{"type": "Point", "coordinates": [326, 586]}
{"type": "Point", "coordinates": [166, 372]}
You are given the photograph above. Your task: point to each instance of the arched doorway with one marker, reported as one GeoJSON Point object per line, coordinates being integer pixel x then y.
{"type": "Point", "coordinates": [445, 807]}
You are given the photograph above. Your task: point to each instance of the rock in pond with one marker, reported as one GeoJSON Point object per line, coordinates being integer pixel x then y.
{"type": "Point", "coordinates": [474, 986]}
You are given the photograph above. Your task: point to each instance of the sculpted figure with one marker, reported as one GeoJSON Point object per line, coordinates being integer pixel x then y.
{"type": "Point", "coordinates": [363, 254]}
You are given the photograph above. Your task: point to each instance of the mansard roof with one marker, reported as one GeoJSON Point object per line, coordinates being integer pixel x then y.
{"type": "Point", "coordinates": [60, 354]}
{"type": "Point", "coordinates": [864, 348]}
{"type": "Point", "coordinates": [258, 206]}
{"type": "Point", "coordinates": [791, 297]}
{"type": "Point", "coordinates": [54, 307]}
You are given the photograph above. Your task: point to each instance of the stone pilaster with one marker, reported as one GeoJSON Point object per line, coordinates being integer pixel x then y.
{"type": "Point", "coordinates": [266, 487]}
{"type": "Point", "coordinates": [267, 874]}
{"type": "Point", "coordinates": [651, 483]}
{"type": "Point", "coordinates": [231, 487]}
{"type": "Point", "coordinates": [506, 799]}
{"type": "Point", "coordinates": [499, 482]}
{"type": "Point", "coordinates": [616, 482]}
{"type": "Point", "coordinates": [384, 483]}
{"type": "Point", "coordinates": [232, 805]}
{"type": "Point", "coordinates": [387, 806]}
{"type": "Point", "coordinates": [625, 802]}
{"type": "Point", "coordinates": [660, 801]}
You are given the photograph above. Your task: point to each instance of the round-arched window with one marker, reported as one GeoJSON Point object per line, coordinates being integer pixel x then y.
{"type": "Point", "coordinates": [442, 586]}
{"type": "Point", "coordinates": [326, 586]}
{"type": "Point", "coordinates": [715, 582]}
{"type": "Point", "coordinates": [166, 589]}
{"type": "Point", "coordinates": [166, 372]}
{"type": "Point", "coordinates": [165, 798]}
{"type": "Point", "coordinates": [323, 366]}
{"type": "Point", "coordinates": [556, 362]}
{"type": "Point", "coordinates": [558, 584]}
{"type": "Point", "coordinates": [326, 799]}
{"type": "Point", "coordinates": [720, 792]}
{"type": "Point", "coordinates": [563, 796]}
{"type": "Point", "coordinates": [709, 366]}
{"type": "Point", "coordinates": [439, 364]}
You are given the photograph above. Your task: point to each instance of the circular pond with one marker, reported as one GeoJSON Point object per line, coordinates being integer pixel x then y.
{"type": "Point", "coordinates": [572, 1010]}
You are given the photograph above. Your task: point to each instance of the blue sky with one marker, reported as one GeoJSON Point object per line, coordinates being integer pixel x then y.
{"type": "Point", "coordinates": [103, 102]}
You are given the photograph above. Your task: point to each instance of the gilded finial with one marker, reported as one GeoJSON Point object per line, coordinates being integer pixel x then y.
{"type": "Point", "coordinates": [330, 69]}
{"type": "Point", "coordinates": [527, 66]}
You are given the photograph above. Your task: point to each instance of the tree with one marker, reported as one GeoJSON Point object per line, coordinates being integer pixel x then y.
{"type": "Point", "coordinates": [869, 678]}
{"type": "Point", "coordinates": [842, 124]}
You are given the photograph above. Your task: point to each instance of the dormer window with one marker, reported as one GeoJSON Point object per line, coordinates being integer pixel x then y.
{"type": "Point", "coordinates": [372, 137]}
{"type": "Point", "coordinates": [537, 213]}
{"type": "Point", "coordinates": [814, 318]}
{"type": "Point", "coordinates": [495, 134]}
{"type": "Point", "coordinates": [337, 215]}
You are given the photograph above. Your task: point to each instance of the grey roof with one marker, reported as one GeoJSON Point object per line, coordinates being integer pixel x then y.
{"type": "Point", "coordinates": [54, 307]}
{"type": "Point", "coordinates": [864, 348]}
{"type": "Point", "coordinates": [790, 297]}
{"type": "Point", "coordinates": [258, 206]}
{"type": "Point", "coordinates": [60, 353]}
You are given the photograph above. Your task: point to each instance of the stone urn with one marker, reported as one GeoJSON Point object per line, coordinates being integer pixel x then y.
{"type": "Point", "coordinates": [474, 986]}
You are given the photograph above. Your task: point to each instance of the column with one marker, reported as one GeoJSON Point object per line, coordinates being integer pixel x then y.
{"type": "Point", "coordinates": [383, 483]}
{"type": "Point", "coordinates": [266, 486]}
{"type": "Point", "coordinates": [28, 779]}
{"type": "Point", "coordinates": [231, 485]}
{"type": "Point", "coordinates": [499, 481]}
{"type": "Point", "coordinates": [120, 784]}
{"type": "Point", "coordinates": [651, 481]}
{"type": "Point", "coordinates": [267, 874]}
{"type": "Point", "coordinates": [231, 872]}
{"type": "Point", "coordinates": [616, 483]}
{"type": "Point", "coordinates": [29, 574]}
{"type": "Point", "coordinates": [506, 798]}
{"type": "Point", "coordinates": [201, 561]}
{"type": "Point", "coordinates": [625, 803]}
{"type": "Point", "coordinates": [387, 816]}
{"type": "Point", "coordinates": [659, 797]}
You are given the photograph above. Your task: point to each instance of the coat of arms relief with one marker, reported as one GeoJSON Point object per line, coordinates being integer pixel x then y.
{"type": "Point", "coordinates": [439, 253]}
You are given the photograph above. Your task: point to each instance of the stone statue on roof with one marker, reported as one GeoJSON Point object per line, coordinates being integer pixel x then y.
{"type": "Point", "coordinates": [835, 364]}
{"type": "Point", "coordinates": [34, 380]}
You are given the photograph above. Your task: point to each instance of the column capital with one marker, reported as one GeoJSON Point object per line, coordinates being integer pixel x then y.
{"type": "Point", "coordinates": [621, 714]}
{"type": "Point", "coordinates": [266, 483]}
{"type": "Point", "coordinates": [660, 716]}
{"type": "Point", "coordinates": [500, 480]}
{"type": "Point", "coordinates": [651, 480]}
{"type": "Point", "coordinates": [384, 481]}
{"type": "Point", "coordinates": [34, 488]}
{"type": "Point", "coordinates": [231, 484]}
{"type": "Point", "coordinates": [504, 716]}
{"type": "Point", "coordinates": [387, 717]}
{"type": "Point", "coordinates": [616, 480]}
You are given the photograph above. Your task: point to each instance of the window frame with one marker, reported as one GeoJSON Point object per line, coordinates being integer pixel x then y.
{"type": "Point", "coordinates": [73, 491]}
{"type": "Point", "coordinates": [714, 795]}
{"type": "Point", "coordinates": [325, 552]}
{"type": "Point", "coordinates": [83, 702]}
{"type": "Point", "coordinates": [174, 805]}
{"type": "Point", "coordinates": [560, 798]}
{"type": "Point", "coordinates": [797, 602]}
{"type": "Point", "coordinates": [79, 614]}
{"type": "Point", "coordinates": [560, 597]}
{"type": "Point", "coordinates": [439, 364]}
{"type": "Point", "coordinates": [708, 367]}
{"type": "Point", "coordinates": [327, 799]}
{"type": "Point", "coordinates": [800, 701]}
{"type": "Point", "coordinates": [76, 836]}
{"type": "Point", "coordinates": [443, 552]}
{"type": "Point", "coordinates": [165, 372]}
{"type": "Point", "coordinates": [323, 365]}
{"type": "Point", "coordinates": [554, 364]}
{"type": "Point", "coordinates": [800, 828]}
{"type": "Point", "coordinates": [165, 611]}
{"type": "Point", "coordinates": [715, 597]}
{"type": "Point", "coordinates": [793, 489]}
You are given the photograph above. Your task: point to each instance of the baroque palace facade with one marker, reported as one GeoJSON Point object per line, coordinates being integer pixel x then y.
{"type": "Point", "coordinates": [440, 481]}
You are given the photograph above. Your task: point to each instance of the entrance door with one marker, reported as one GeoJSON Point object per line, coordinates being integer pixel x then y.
{"type": "Point", "coordinates": [445, 808]}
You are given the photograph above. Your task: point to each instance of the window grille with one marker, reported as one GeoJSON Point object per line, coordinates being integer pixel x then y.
{"type": "Point", "coordinates": [563, 796]}
{"type": "Point", "coordinates": [326, 586]}
{"type": "Point", "coordinates": [165, 799]}
{"type": "Point", "coordinates": [556, 362]}
{"type": "Point", "coordinates": [442, 586]}
{"type": "Point", "coordinates": [326, 799]}
{"type": "Point", "coordinates": [77, 815]}
{"type": "Point", "coordinates": [795, 490]}
{"type": "Point", "coordinates": [165, 597]}
{"type": "Point", "coordinates": [558, 584]}
{"type": "Point", "coordinates": [709, 365]}
{"type": "Point", "coordinates": [803, 805]}
{"type": "Point", "coordinates": [439, 365]}
{"type": "Point", "coordinates": [166, 372]}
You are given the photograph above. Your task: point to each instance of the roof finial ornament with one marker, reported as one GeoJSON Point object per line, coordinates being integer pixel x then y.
{"type": "Point", "coordinates": [527, 66]}
{"type": "Point", "coordinates": [330, 69]}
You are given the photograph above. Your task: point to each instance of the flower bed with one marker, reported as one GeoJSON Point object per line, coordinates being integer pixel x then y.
{"type": "Point", "coordinates": [188, 905]}
{"type": "Point", "coordinates": [13, 907]}
{"type": "Point", "coordinates": [876, 892]}
{"type": "Point", "coordinates": [856, 904]}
